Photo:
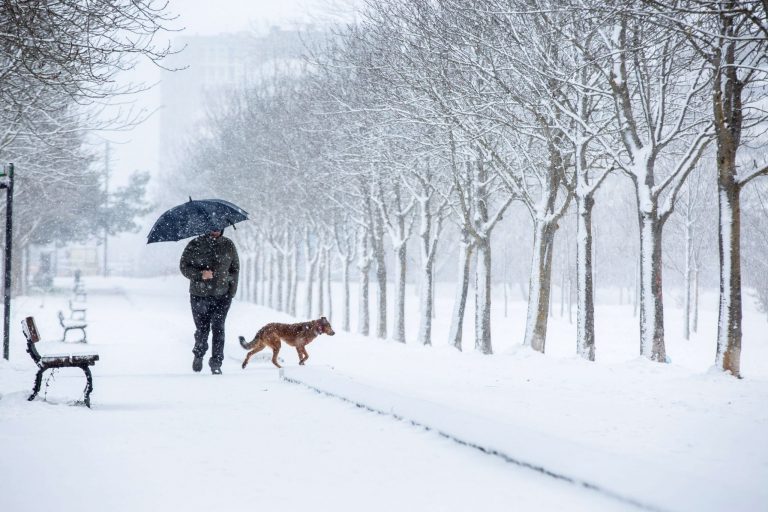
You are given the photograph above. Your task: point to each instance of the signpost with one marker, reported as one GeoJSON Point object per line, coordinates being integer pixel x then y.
{"type": "Point", "coordinates": [6, 182]}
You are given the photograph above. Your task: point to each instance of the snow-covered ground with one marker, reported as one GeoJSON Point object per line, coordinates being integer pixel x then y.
{"type": "Point", "coordinates": [160, 437]}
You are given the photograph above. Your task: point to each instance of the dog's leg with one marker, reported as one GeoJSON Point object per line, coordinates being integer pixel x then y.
{"type": "Point", "coordinates": [252, 352]}
{"type": "Point", "coordinates": [304, 355]}
{"type": "Point", "coordinates": [275, 351]}
{"type": "Point", "coordinates": [301, 355]}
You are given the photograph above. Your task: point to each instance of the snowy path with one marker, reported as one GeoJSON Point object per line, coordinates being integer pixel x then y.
{"type": "Point", "coordinates": [646, 483]}
{"type": "Point", "coordinates": [160, 437]}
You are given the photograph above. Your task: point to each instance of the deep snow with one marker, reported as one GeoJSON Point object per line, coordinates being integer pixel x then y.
{"type": "Point", "coordinates": [159, 436]}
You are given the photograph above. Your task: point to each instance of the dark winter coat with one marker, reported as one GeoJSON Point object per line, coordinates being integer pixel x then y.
{"type": "Point", "coordinates": [216, 254]}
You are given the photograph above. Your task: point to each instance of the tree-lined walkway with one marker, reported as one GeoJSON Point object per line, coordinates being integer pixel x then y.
{"type": "Point", "coordinates": [160, 437]}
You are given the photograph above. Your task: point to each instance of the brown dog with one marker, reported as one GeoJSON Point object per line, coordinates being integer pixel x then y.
{"type": "Point", "coordinates": [295, 335]}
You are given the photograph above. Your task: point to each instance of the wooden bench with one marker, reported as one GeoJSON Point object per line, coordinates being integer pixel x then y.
{"type": "Point", "coordinates": [82, 361]}
{"type": "Point", "coordinates": [77, 311]}
{"type": "Point", "coordinates": [72, 325]}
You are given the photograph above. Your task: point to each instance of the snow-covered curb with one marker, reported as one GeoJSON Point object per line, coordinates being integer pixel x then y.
{"type": "Point", "coordinates": [646, 484]}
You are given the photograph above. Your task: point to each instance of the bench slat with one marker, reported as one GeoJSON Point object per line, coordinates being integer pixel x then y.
{"type": "Point", "coordinates": [63, 361]}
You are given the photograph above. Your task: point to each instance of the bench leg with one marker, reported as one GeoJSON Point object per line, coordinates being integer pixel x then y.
{"type": "Point", "coordinates": [88, 385]}
{"type": "Point", "coordinates": [38, 382]}
{"type": "Point", "coordinates": [81, 329]}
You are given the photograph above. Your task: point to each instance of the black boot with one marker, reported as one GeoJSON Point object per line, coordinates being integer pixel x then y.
{"type": "Point", "coordinates": [197, 363]}
{"type": "Point", "coordinates": [216, 370]}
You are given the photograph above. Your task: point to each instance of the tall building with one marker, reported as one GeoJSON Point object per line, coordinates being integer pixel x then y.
{"type": "Point", "coordinates": [207, 69]}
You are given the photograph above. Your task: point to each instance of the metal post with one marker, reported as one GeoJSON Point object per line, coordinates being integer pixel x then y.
{"type": "Point", "coordinates": [8, 186]}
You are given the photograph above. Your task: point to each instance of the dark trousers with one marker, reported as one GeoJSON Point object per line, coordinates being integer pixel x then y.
{"type": "Point", "coordinates": [209, 314]}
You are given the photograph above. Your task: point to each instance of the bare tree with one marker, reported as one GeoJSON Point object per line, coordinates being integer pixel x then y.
{"type": "Point", "coordinates": [578, 110]}
{"type": "Point", "coordinates": [69, 51]}
{"type": "Point", "coordinates": [730, 37]}
{"type": "Point", "coordinates": [397, 219]}
{"type": "Point", "coordinates": [432, 210]}
{"type": "Point", "coordinates": [657, 91]}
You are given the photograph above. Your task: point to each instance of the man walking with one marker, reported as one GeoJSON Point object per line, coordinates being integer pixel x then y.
{"type": "Point", "coordinates": [211, 264]}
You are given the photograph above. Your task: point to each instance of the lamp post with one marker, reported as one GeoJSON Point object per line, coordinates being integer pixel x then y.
{"type": "Point", "coordinates": [6, 182]}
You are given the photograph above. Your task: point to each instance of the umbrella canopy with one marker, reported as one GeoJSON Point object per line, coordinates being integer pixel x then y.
{"type": "Point", "coordinates": [195, 217]}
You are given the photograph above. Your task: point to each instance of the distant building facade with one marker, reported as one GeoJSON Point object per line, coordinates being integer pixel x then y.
{"type": "Point", "coordinates": [209, 67]}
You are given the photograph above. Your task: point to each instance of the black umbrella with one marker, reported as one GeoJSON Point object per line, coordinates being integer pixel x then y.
{"type": "Point", "coordinates": [195, 218]}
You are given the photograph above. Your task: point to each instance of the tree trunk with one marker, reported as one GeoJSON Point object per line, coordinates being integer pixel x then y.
{"type": "Point", "coordinates": [328, 290]}
{"type": "Point", "coordinates": [256, 280]}
{"type": "Point", "coordinates": [263, 275]}
{"type": "Point", "coordinates": [483, 298]}
{"type": "Point", "coordinates": [364, 314]}
{"type": "Point", "coordinates": [287, 281]}
{"type": "Point", "coordinates": [585, 320]}
{"type": "Point", "coordinates": [271, 286]}
{"type": "Point", "coordinates": [381, 288]}
{"type": "Point", "coordinates": [462, 286]}
{"type": "Point", "coordinates": [364, 265]}
{"type": "Point", "coordinates": [538, 294]}
{"type": "Point", "coordinates": [687, 276]}
{"type": "Point", "coordinates": [562, 288]}
{"type": "Point", "coordinates": [427, 304]}
{"type": "Point", "coordinates": [549, 312]}
{"type": "Point", "coordinates": [729, 245]}
{"type": "Point", "coordinates": [636, 296]}
{"type": "Point", "coordinates": [651, 300]}
{"type": "Point", "coordinates": [427, 284]}
{"type": "Point", "coordinates": [253, 281]}
{"type": "Point", "coordinates": [309, 274]}
{"type": "Point", "coordinates": [345, 285]}
{"type": "Point", "coordinates": [400, 268]}
{"type": "Point", "coordinates": [320, 311]}
{"type": "Point", "coordinates": [279, 281]}
{"type": "Point", "coordinates": [695, 322]}
{"type": "Point", "coordinates": [729, 118]}
{"type": "Point", "coordinates": [247, 280]}
{"type": "Point", "coordinates": [289, 268]}
{"type": "Point", "coordinates": [260, 270]}
{"type": "Point", "coordinates": [294, 280]}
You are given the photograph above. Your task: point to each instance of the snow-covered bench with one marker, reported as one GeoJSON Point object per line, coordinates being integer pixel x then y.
{"type": "Point", "coordinates": [79, 292]}
{"type": "Point", "coordinates": [77, 311]}
{"type": "Point", "coordinates": [72, 325]}
{"type": "Point", "coordinates": [50, 361]}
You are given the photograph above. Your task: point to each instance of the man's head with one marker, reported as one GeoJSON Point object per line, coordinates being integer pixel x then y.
{"type": "Point", "coordinates": [215, 234]}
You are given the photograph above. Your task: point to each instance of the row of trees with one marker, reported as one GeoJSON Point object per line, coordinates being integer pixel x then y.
{"type": "Point", "coordinates": [59, 66]}
{"type": "Point", "coordinates": [431, 120]}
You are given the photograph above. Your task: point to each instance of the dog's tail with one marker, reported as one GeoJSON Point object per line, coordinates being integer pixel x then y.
{"type": "Point", "coordinates": [247, 345]}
